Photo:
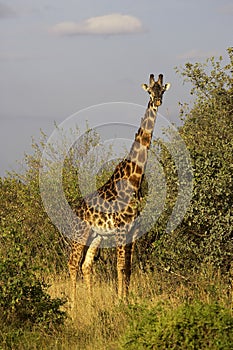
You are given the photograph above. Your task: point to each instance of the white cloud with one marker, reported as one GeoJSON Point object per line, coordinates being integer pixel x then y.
{"type": "Point", "coordinates": [112, 24]}
{"type": "Point", "coordinates": [197, 54]}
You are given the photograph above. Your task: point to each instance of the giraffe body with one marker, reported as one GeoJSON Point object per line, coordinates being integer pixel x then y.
{"type": "Point", "coordinates": [112, 209]}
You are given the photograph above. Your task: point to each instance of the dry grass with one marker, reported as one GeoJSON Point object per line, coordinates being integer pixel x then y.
{"type": "Point", "coordinates": [99, 320]}
{"type": "Point", "coordinates": [96, 321]}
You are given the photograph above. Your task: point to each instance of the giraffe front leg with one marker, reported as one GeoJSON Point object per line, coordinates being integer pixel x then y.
{"type": "Point", "coordinates": [124, 259]}
{"type": "Point", "coordinates": [74, 268]}
{"type": "Point", "coordinates": [82, 233]}
{"type": "Point", "coordinates": [89, 260]}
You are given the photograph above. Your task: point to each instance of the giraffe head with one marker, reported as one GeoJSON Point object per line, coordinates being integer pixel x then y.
{"type": "Point", "coordinates": [156, 90]}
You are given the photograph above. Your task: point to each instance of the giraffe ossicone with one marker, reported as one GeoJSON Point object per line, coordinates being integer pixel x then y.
{"type": "Point", "coordinates": [113, 208]}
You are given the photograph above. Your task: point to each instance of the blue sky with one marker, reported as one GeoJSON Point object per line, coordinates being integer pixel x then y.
{"type": "Point", "coordinates": [57, 57]}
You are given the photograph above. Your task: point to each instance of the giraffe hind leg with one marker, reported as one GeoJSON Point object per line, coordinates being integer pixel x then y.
{"type": "Point", "coordinates": [89, 260]}
{"type": "Point", "coordinates": [74, 266]}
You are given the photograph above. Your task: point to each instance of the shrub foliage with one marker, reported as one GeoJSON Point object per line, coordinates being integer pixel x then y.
{"type": "Point", "coordinates": [189, 326]}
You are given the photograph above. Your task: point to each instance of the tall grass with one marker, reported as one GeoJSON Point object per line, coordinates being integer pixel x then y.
{"type": "Point", "coordinates": [99, 320]}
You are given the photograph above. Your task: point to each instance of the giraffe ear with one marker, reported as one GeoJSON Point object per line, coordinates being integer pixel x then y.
{"type": "Point", "coordinates": [145, 87]}
{"type": "Point", "coordinates": [167, 86]}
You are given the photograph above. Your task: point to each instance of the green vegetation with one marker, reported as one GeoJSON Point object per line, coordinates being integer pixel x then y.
{"type": "Point", "coordinates": [189, 326]}
{"type": "Point", "coordinates": [23, 297]}
{"type": "Point", "coordinates": [181, 291]}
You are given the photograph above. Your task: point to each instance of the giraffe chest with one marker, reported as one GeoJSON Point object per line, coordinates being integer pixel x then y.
{"type": "Point", "coordinates": [109, 222]}
{"type": "Point", "coordinates": [106, 219]}
{"type": "Point", "coordinates": [113, 206]}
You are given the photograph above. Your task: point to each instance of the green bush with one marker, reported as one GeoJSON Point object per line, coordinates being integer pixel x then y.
{"type": "Point", "coordinates": [24, 301]}
{"type": "Point", "coordinates": [189, 326]}
{"type": "Point", "coordinates": [21, 210]}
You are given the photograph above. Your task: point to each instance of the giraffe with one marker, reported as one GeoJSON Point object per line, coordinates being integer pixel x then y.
{"type": "Point", "coordinates": [112, 209]}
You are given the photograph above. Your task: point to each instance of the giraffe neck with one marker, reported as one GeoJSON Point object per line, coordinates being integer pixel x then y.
{"type": "Point", "coordinates": [139, 151]}
{"type": "Point", "coordinates": [115, 200]}
{"type": "Point", "coordinates": [128, 174]}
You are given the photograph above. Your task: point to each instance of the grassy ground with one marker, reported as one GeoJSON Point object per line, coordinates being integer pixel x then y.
{"type": "Point", "coordinates": [99, 321]}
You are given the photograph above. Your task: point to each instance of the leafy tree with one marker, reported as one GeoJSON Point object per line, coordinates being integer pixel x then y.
{"type": "Point", "coordinates": [208, 134]}
{"type": "Point", "coordinates": [22, 211]}
{"type": "Point", "coordinates": [205, 235]}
